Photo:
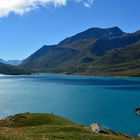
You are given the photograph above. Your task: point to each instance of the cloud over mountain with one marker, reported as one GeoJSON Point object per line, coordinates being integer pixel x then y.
{"type": "Point", "coordinates": [22, 6]}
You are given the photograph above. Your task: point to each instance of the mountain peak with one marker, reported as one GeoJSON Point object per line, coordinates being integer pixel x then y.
{"type": "Point", "coordinates": [103, 29]}
{"type": "Point", "coordinates": [94, 33]}
{"type": "Point", "coordinates": [117, 29]}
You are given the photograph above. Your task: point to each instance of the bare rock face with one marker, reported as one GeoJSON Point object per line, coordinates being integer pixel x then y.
{"type": "Point", "coordinates": [137, 111]}
{"type": "Point", "coordinates": [97, 128]}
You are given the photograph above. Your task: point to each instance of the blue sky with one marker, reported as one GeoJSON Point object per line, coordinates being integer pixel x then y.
{"type": "Point", "coordinates": [24, 31]}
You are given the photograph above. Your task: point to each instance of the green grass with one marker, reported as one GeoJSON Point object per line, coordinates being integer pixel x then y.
{"type": "Point", "coordinates": [34, 119]}
{"type": "Point", "coordinates": [53, 133]}
{"type": "Point", "coordinates": [49, 127]}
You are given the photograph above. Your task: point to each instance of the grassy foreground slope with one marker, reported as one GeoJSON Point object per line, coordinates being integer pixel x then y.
{"type": "Point", "coordinates": [49, 127]}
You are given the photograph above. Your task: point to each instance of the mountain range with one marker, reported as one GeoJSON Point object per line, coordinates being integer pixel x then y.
{"type": "Point", "coordinates": [11, 67]}
{"type": "Point", "coordinates": [12, 70]}
{"type": "Point", "coordinates": [11, 62]}
{"type": "Point", "coordinates": [96, 51]}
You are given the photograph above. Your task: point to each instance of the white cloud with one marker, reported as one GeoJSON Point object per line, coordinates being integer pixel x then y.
{"type": "Point", "coordinates": [22, 6]}
{"type": "Point", "coordinates": [88, 3]}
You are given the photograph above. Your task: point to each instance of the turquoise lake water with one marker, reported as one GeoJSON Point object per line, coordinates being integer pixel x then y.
{"type": "Point", "coordinates": [83, 99]}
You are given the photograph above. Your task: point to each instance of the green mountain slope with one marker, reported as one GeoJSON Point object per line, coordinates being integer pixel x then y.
{"type": "Point", "coordinates": [121, 62]}
{"type": "Point", "coordinates": [92, 52]}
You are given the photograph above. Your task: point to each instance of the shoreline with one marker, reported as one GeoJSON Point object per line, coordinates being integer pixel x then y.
{"type": "Point", "coordinates": [88, 75]}
{"type": "Point", "coordinates": [65, 74]}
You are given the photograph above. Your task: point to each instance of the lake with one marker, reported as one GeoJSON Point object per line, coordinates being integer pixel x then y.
{"type": "Point", "coordinates": [82, 99]}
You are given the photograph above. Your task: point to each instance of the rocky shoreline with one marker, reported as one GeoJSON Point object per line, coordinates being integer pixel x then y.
{"type": "Point", "coordinates": [137, 111]}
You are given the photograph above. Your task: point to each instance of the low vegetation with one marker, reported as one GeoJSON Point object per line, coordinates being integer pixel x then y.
{"type": "Point", "coordinates": [49, 127]}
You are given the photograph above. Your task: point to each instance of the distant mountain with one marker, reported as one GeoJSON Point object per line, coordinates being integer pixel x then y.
{"type": "Point", "coordinates": [11, 62]}
{"type": "Point", "coordinates": [92, 52]}
{"type": "Point", "coordinates": [12, 70]}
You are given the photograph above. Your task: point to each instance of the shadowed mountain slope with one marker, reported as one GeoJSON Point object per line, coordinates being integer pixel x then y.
{"type": "Point", "coordinates": [84, 53]}
{"type": "Point", "coordinates": [94, 33]}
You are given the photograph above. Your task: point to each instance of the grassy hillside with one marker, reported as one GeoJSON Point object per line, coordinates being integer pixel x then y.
{"type": "Point", "coordinates": [93, 52]}
{"type": "Point", "coordinates": [117, 62]}
{"type": "Point", "coordinates": [49, 127]}
{"type": "Point", "coordinates": [122, 62]}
